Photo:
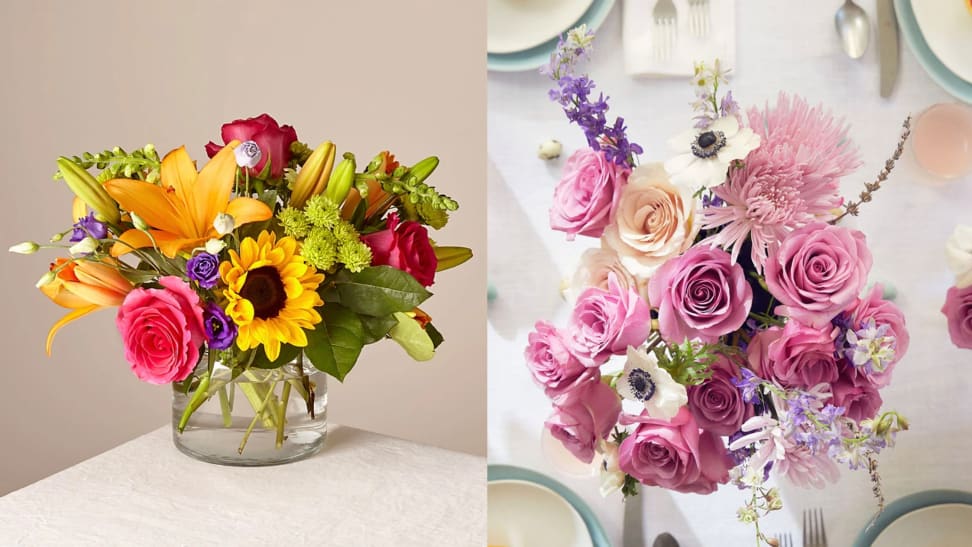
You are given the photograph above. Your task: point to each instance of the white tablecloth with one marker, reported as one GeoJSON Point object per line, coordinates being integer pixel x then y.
{"type": "Point", "coordinates": [795, 49]}
{"type": "Point", "coordinates": [362, 489]}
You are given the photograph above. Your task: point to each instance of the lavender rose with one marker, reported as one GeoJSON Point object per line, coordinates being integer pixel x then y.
{"type": "Point", "coordinates": [203, 269]}
{"type": "Point", "coordinates": [818, 271]}
{"type": "Point", "coordinates": [551, 363]}
{"type": "Point", "coordinates": [606, 322]}
{"type": "Point", "coordinates": [717, 404]}
{"type": "Point", "coordinates": [674, 454]}
{"type": "Point", "coordinates": [220, 329]}
{"type": "Point", "coordinates": [958, 310]}
{"type": "Point", "coordinates": [583, 416]}
{"type": "Point", "coordinates": [700, 295]}
{"type": "Point", "coordinates": [801, 357]}
{"type": "Point", "coordinates": [859, 398]}
{"type": "Point", "coordinates": [586, 194]}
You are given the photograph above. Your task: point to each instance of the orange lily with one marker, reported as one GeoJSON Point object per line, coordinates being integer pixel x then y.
{"type": "Point", "coordinates": [182, 209]}
{"type": "Point", "coordinates": [83, 287]}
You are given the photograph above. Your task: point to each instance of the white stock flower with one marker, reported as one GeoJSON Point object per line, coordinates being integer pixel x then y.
{"type": "Point", "coordinates": [704, 155]}
{"type": "Point", "coordinates": [958, 254]}
{"type": "Point", "coordinates": [645, 382]}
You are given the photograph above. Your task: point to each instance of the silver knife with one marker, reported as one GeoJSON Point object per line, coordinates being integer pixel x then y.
{"type": "Point", "coordinates": [633, 527]}
{"type": "Point", "coordinates": [887, 45]}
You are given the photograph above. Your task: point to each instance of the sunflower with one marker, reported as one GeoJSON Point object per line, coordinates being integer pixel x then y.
{"type": "Point", "coordinates": [272, 293]}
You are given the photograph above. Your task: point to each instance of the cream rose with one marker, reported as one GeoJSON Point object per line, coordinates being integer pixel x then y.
{"type": "Point", "coordinates": [958, 253]}
{"type": "Point", "coordinates": [654, 221]}
{"type": "Point", "coordinates": [593, 271]}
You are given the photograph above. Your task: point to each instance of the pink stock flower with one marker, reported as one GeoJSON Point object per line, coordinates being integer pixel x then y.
{"type": "Point", "coordinates": [791, 180]}
{"type": "Point", "coordinates": [700, 295]}
{"type": "Point", "coordinates": [584, 416]}
{"type": "Point", "coordinates": [586, 194]}
{"type": "Point", "coordinates": [606, 322]}
{"type": "Point", "coordinates": [552, 365]}
{"type": "Point", "coordinates": [958, 311]}
{"type": "Point", "coordinates": [674, 454]}
{"type": "Point", "coordinates": [817, 272]}
{"type": "Point", "coordinates": [162, 330]}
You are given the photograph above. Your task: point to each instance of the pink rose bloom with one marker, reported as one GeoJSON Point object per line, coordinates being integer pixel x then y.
{"type": "Point", "coordinates": [817, 272]}
{"type": "Point", "coordinates": [958, 310]}
{"type": "Point", "coordinates": [802, 356]}
{"type": "Point", "coordinates": [274, 141]}
{"type": "Point", "coordinates": [757, 352]}
{"type": "Point", "coordinates": [586, 194]}
{"type": "Point", "coordinates": [162, 330]}
{"type": "Point", "coordinates": [551, 363]}
{"type": "Point", "coordinates": [700, 295]}
{"type": "Point", "coordinates": [883, 312]}
{"type": "Point", "coordinates": [717, 405]}
{"type": "Point", "coordinates": [405, 246]}
{"type": "Point", "coordinates": [674, 454]}
{"type": "Point", "coordinates": [859, 397]}
{"type": "Point", "coordinates": [606, 322]}
{"type": "Point", "coordinates": [583, 416]}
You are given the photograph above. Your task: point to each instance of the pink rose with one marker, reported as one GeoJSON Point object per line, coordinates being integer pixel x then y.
{"type": "Point", "coordinates": [802, 356]}
{"type": "Point", "coordinates": [757, 352]}
{"type": "Point", "coordinates": [716, 404]}
{"type": "Point", "coordinates": [859, 398]}
{"type": "Point", "coordinates": [586, 194]}
{"type": "Point", "coordinates": [700, 295]}
{"type": "Point", "coordinates": [404, 246]}
{"type": "Point", "coordinates": [274, 142]}
{"type": "Point", "coordinates": [606, 322]}
{"type": "Point", "coordinates": [883, 312]}
{"type": "Point", "coordinates": [818, 271]}
{"type": "Point", "coordinates": [551, 363]}
{"type": "Point", "coordinates": [584, 416]}
{"type": "Point", "coordinates": [958, 310]}
{"type": "Point", "coordinates": [675, 455]}
{"type": "Point", "coordinates": [162, 330]}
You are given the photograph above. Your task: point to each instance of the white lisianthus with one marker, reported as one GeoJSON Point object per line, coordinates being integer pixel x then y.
{"type": "Point", "coordinates": [645, 382]}
{"type": "Point", "coordinates": [87, 245]}
{"type": "Point", "coordinates": [958, 254]}
{"type": "Point", "coordinates": [704, 154]}
{"type": "Point", "coordinates": [248, 154]}
{"type": "Point", "coordinates": [612, 478]}
{"type": "Point", "coordinates": [224, 223]}
{"type": "Point", "coordinates": [25, 248]}
{"type": "Point", "coordinates": [214, 246]}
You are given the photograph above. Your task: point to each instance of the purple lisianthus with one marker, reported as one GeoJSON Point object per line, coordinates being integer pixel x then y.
{"type": "Point", "coordinates": [203, 269]}
{"type": "Point", "coordinates": [88, 226]}
{"type": "Point", "coordinates": [220, 329]}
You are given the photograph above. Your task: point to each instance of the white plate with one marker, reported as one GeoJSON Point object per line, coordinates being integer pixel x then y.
{"type": "Point", "coordinates": [524, 514]}
{"type": "Point", "coordinates": [515, 25]}
{"type": "Point", "coordinates": [945, 525]}
{"type": "Point", "coordinates": [947, 27]}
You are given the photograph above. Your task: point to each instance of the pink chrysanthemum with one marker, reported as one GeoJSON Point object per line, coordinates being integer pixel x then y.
{"type": "Point", "coordinates": [792, 179]}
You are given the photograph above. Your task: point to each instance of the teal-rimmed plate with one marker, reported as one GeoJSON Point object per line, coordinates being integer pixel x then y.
{"type": "Point", "coordinates": [913, 502]}
{"type": "Point", "coordinates": [944, 77]}
{"type": "Point", "coordinates": [533, 58]}
{"type": "Point", "coordinates": [513, 473]}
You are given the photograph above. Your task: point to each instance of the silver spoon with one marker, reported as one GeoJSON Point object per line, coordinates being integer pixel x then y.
{"type": "Point", "coordinates": [854, 29]}
{"type": "Point", "coordinates": [665, 540]}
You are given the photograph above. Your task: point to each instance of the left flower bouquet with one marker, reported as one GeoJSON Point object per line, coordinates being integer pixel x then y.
{"type": "Point", "coordinates": [245, 283]}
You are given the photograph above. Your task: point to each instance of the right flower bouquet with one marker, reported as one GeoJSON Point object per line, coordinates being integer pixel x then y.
{"type": "Point", "coordinates": [723, 331]}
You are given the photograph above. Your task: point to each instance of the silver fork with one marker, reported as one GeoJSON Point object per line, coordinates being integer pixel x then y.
{"type": "Point", "coordinates": [666, 29]}
{"type": "Point", "coordinates": [784, 540]}
{"type": "Point", "coordinates": [699, 18]}
{"type": "Point", "coordinates": [814, 534]}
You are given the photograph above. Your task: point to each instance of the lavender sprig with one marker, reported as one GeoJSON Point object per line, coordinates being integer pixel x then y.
{"type": "Point", "coordinates": [575, 94]}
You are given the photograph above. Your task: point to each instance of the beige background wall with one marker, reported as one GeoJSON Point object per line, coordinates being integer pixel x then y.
{"type": "Point", "coordinates": [90, 75]}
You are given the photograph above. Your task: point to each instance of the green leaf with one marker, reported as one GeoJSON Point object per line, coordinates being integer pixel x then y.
{"type": "Point", "coordinates": [379, 291]}
{"type": "Point", "coordinates": [434, 335]}
{"type": "Point", "coordinates": [377, 327]}
{"type": "Point", "coordinates": [333, 347]}
{"type": "Point", "coordinates": [412, 337]}
{"type": "Point", "coordinates": [287, 354]}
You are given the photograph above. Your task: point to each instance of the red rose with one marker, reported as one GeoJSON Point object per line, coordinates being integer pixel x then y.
{"type": "Point", "coordinates": [404, 246]}
{"type": "Point", "coordinates": [274, 141]}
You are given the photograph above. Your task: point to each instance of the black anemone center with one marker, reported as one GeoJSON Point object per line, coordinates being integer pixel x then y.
{"type": "Point", "coordinates": [641, 384]}
{"type": "Point", "coordinates": [707, 139]}
{"type": "Point", "coordinates": [708, 144]}
{"type": "Point", "coordinates": [264, 289]}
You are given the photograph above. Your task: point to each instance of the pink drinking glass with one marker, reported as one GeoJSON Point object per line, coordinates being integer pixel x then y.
{"type": "Point", "coordinates": [942, 140]}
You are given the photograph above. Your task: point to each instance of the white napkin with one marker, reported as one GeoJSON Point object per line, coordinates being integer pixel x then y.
{"type": "Point", "coordinates": [638, 27]}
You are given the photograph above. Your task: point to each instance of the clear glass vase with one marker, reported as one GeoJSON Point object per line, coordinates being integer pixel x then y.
{"type": "Point", "coordinates": [258, 417]}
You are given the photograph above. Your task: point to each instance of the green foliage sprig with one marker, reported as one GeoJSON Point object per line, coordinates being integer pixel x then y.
{"type": "Point", "coordinates": [689, 362]}
{"type": "Point", "coordinates": [142, 164]}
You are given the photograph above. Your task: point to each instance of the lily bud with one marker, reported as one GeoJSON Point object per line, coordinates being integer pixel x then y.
{"type": "Point", "coordinates": [25, 248]}
{"type": "Point", "coordinates": [314, 175]}
{"type": "Point", "coordinates": [45, 279]}
{"type": "Point", "coordinates": [224, 223]}
{"type": "Point", "coordinates": [90, 191]}
{"type": "Point", "coordinates": [139, 223]}
{"type": "Point", "coordinates": [450, 257]}
{"type": "Point", "coordinates": [340, 184]}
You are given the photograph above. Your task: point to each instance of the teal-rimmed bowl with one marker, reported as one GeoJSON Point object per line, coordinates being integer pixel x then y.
{"type": "Point", "coordinates": [900, 507]}
{"type": "Point", "coordinates": [513, 473]}
{"type": "Point", "coordinates": [533, 58]}
{"type": "Point", "coordinates": [944, 77]}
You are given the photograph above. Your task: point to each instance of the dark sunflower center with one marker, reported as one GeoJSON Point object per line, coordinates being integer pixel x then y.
{"type": "Point", "coordinates": [264, 289]}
